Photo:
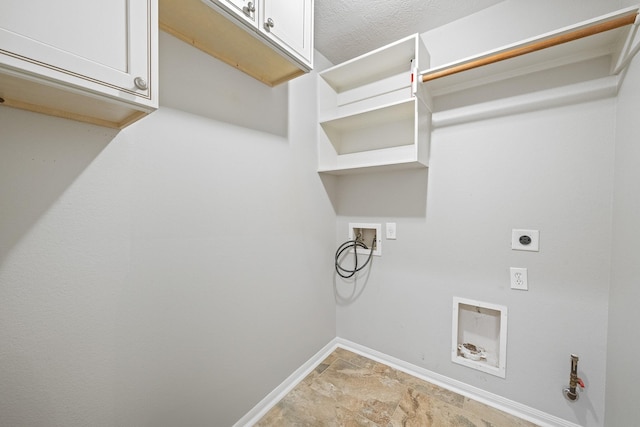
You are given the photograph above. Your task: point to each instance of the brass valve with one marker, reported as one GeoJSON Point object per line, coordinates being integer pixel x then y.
{"type": "Point", "coordinates": [570, 392]}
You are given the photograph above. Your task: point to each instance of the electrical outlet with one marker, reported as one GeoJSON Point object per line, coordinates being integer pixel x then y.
{"type": "Point", "coordinates": [367, 234]}
{"type": "Point", "coordinates": [525, 240]}
{"type": "Point", "coordinates": [519, 278]}
{"type": "Point", "coordinates": [391, 231]}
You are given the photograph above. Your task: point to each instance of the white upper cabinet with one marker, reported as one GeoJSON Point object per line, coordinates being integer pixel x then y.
{"type": "Point", "coordinates": [93, 61]}
{"type": "Point", "coordinates": [270, 40]}
{"type": "Point", "coordinates": [289, 24]}
{"type": "Point", "coordinates": [242, 9]}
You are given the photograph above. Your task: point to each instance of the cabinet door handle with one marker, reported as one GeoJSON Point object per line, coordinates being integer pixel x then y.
{"type": "Point", "coordinates": [269, 24]}
{"type": "Point", "coordinates": [249, 8]}
{"type": "Point", "coordinates": [140, 83]}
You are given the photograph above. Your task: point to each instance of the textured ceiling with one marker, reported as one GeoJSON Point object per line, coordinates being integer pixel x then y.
{"type": "Point", "coordinates": [345, 29]}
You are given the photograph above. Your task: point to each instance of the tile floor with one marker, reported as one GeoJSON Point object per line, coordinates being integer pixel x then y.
{"type": "Point", "coordinates": [347, 389]}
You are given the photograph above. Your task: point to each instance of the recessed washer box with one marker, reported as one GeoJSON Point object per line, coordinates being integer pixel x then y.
{"type": "Point", "coordinates": [479, 336]}
{"type": "Point", "coordinates": [367, 233]}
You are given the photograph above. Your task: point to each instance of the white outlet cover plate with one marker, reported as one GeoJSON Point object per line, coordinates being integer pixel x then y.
{"type": "Point", "coordinates": [519, 278]}
{"type": "Point", "coordinates": [534, 246]}
{"type": "Point", "coordinates": [391, 230]}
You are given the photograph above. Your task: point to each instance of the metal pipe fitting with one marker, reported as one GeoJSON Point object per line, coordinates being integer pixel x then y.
{"type": "Point", "coordinates": [571, 392]}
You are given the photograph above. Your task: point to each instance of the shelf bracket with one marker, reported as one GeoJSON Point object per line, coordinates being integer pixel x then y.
{"type": "Point", "coordinates": [628, 50]}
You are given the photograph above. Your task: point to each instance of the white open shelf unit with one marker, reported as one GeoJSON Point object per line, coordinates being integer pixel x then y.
{"type": "Point", "coordinates": [483, 325]}
{"type": "Point", "coordinates": [370, 117]}
{"type": "Point", "coordinates": [612, 37]}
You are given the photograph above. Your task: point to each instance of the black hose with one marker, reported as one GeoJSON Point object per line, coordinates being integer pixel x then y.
{"type": "Point", "coordinates": [344, 272]}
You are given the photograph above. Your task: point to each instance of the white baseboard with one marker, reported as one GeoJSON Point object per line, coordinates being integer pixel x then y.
{"type": "Point", "coordinates": [258, 411]}
{"type": "Point", "coordinates": [493, 400]}
{"type": "Point", "coordinates": [498, 402]}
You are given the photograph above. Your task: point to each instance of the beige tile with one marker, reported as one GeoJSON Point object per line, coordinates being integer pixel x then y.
{"type": "Point", "coordinates": [364, 362]}
{"type": "Point", "coordinates": [303, 407]}
{"type": "Point", "coordinates": [330, 358]}
{"type": "Point", "coordinates": [351, 357]}
{"type": "Point", "coordinates": [417, 409]}
{"type": "Point", "coordinates": [363, 391]}
{"type": "Point", "coordinates": [493, 416]}
{"type": "Point", "coordinates": [432, 390]}
{"type": "Point", "coordinates": [414, 410]}
{"type": "Point", "coordinates": [349, 390]}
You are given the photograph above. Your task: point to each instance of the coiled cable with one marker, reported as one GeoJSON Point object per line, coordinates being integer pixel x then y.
{"type": "Point", "coordinates": [345, 272]}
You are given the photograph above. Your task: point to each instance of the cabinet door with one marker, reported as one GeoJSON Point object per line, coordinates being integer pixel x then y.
{"type": "Point", "coordinates": [245, 10]}
{"type": "Point", "coordinates": [94, 44]}
{"type": "Point", "coordinates": [289, 23]}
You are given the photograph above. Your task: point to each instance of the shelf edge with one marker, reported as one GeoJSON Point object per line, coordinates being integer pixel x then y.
{"type": "Point", "coordinates": [579, 92]}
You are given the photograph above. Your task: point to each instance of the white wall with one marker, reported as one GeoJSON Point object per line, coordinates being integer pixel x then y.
{"type": "Point", "coordinates": [624, 317]}
{"type": "Point", "coordinates": [173, 273]}
{"type": "Point", "coordinates": [550, 170]}
{"type": "Point", "coordinates": [177, 271]}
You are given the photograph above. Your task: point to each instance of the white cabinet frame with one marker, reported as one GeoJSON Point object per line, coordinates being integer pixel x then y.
{"type": "Point", "coordinates": [36, 76]}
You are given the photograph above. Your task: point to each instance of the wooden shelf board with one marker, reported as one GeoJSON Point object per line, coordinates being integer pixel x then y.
{"type": "Point", "coordinates": [48, 98]}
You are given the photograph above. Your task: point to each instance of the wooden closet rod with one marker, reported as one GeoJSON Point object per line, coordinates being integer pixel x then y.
{"type": "Point", "coordinates": [534, 46]}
